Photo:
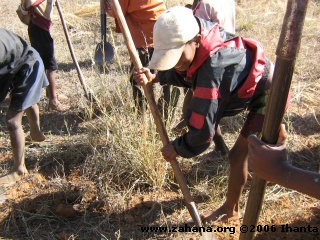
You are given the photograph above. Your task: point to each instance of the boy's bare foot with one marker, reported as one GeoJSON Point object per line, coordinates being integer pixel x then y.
{"type": "Point", "coordinates": [11, 178]}
{"type": "Point", "coordinates": [37, 136]}
{"type": "Point", "coordinates": [220, 215]}
{"type": "Point", "coordinates": [54, 104]}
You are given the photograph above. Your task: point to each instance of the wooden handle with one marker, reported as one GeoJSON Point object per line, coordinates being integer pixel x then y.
{"type": "Point", "coordinates": [147, 87]}
{"type": "Point", "coordinates": [72, 52]}
{"type": "Point", "coordinates": [287, 51]}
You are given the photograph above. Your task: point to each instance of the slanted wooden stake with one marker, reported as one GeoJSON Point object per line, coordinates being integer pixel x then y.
{"type": "Point", "coordinates": [88, 95]}
{"type": "Point", "coordinates": [287, 51]}
{"type": "Point", "coordinates": [147, 87]}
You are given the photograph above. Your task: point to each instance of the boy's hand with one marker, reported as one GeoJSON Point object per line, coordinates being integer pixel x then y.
{"type": "Point", "coordinates": [266, 160]}
{"type": "Point", "coordinates": [169, 153]}
{"type": "Point", "coordinates": [138, 76]}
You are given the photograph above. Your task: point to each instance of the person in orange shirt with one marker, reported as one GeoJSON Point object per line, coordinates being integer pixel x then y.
{"type": "Point", "coordinates": [140, 17]}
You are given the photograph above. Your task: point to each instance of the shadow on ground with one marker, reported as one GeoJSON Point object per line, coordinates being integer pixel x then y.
{"type": "Point", "coordinates": [307, 125]}
{"type": "Point", "coordinates": [68, 215]}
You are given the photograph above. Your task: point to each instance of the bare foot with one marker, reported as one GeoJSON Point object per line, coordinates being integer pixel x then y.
{"type": "Point", "coordinates": [11, 178]}
{"type": "Point", "coordinates": [220, 215]}
{"type": "Point", "coordinates": [54, 104]}
{"type": "Point", "coordinates": [37, 136]}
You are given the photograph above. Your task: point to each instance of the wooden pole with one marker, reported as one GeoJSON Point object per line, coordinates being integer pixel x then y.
{"type": "Point", "coordinates": [147, 87]}
{"type": "Point", "coordinates": [287, 51]}
{"type": "Point", "coordinates": [87, 94]}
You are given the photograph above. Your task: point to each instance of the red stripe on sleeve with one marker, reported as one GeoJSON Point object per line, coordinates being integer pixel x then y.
{"type": "Point", "coordinates": [207, 93]}
{"type": "Point", "coordinates": [196, 120]}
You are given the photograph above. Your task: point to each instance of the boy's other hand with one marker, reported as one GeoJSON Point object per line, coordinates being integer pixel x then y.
{"type": "Point", "coordinates": [266, 160]}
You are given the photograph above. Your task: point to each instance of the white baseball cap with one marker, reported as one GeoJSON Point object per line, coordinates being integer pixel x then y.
{"type": "Point", "coordinates": [173, 29]}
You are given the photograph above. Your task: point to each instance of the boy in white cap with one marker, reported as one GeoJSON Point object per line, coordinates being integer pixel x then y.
{"type": "Point", "coordinates": [22, 75]}
{"type": "Point", "coordinates": [228, 74]}
{"type": "Point", "coordinates": [222, 12]}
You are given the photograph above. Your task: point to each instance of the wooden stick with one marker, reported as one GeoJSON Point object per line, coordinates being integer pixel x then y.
{"type": "Point", "coordinates": [147, 87]}
{"type": "Point", "coordinates": [72, 53]}
{"type": "Point", "coordinates": [287, 51]}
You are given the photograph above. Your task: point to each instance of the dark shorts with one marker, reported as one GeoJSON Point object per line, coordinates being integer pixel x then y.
{"type": "Point", "coordinates": [257, 107]}
{"type": "Point", "coordinates": [26, 86]}
{"type": "Point", "coordinates": [42, 41]}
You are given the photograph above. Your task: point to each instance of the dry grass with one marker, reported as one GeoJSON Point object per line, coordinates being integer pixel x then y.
{"type": "Point", "coordinates": [103, 159]}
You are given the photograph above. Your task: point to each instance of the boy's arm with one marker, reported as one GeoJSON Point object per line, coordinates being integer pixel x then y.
{"type": "Point", "coordinates": [48, 10]}
{"type": "Point", "coordinates": [201, 116]}
{"type": "Point", "coordinates": [300, 180]}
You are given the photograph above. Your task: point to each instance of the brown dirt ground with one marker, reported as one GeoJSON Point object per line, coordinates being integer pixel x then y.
{"type": "Point", "coordinates": [56, 201]}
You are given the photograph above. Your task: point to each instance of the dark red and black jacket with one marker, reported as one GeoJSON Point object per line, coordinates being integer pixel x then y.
{"type": "Point", "coordinates": [223, 75]}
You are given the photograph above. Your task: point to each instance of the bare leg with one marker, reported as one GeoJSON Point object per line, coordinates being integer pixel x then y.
{"type": "Point", "coordinates": [219, 143]}
{"type": "Point", "coordinates": [237, 179]}
{"type": "Point", "coordinates": [34, 122]}
{"type": "Point", "coordinates": [17, 143]}
{"type": "Point", "coordinates": [220, 150]}
{"type": "Point", "coordinates": [54, 103]}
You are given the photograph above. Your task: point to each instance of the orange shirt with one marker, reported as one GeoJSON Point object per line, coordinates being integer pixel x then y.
{"type": "Point", "coordinates": [140, 16]}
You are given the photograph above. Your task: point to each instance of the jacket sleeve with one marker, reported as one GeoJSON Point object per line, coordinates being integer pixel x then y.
{"type": "Point", "coordinates": [201, 115]}
{"type": "Point", "coordinates": [172, 77]}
